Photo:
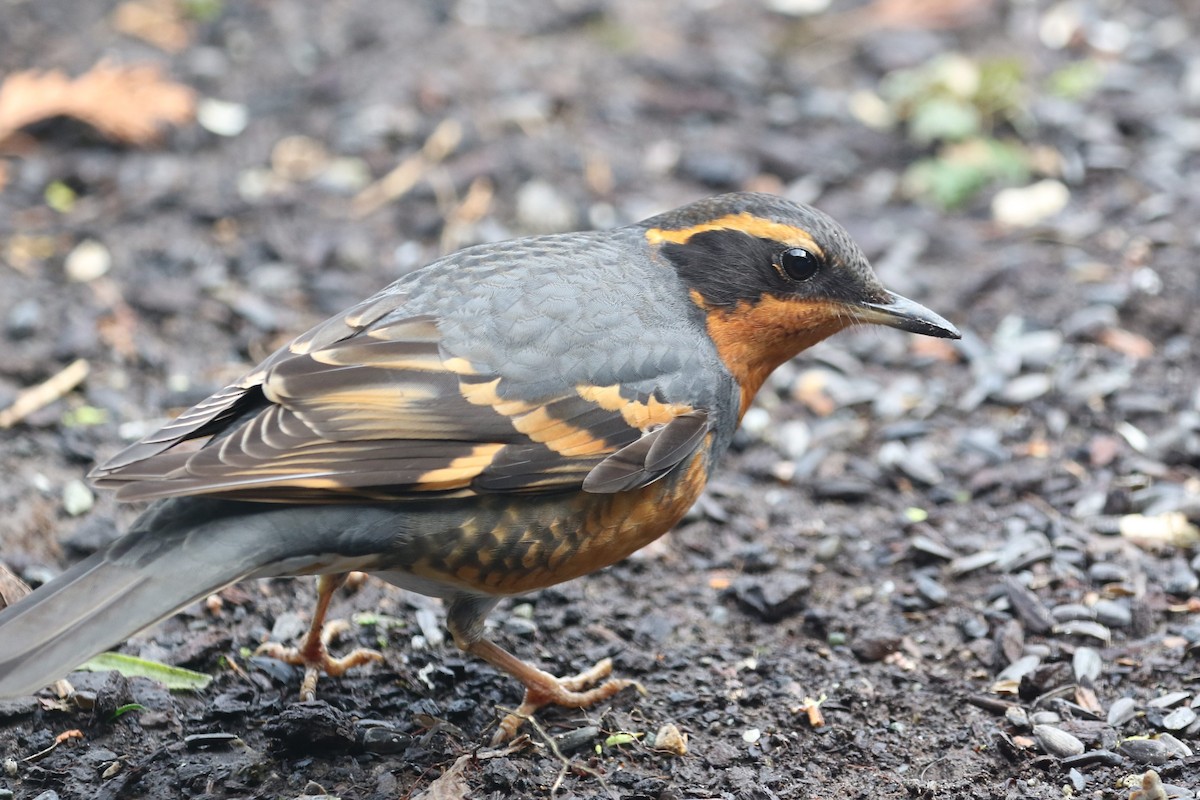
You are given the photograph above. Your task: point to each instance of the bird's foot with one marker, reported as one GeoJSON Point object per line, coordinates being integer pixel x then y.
{"type": "Point", "coordinates": [544, 689]}
{"type": "Point", "coordinates": [314, 656]}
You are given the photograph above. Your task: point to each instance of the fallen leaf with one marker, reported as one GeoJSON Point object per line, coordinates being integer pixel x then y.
{"type": "Point", "coordinates": [161, 23]}
{"type": "Point", "coordinates": [174, 678]}
{"type": "Point", "coordinates": [450, 785]}
{"type": "Point", "coordinates": [12, 588]}
{"type": "Point", "coordinates": [129, 104]}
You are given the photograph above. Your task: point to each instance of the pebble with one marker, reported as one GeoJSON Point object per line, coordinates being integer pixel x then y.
{"type": "Point", "coordinates": [1024, 207]}
{"type": "Point", "coordinates": [1181, 580]}
{"type": "Point", "coordinates": [930, 589]}
{"type": "Point", "coordinates": [1112, 613]}
{"type": "Point", "coordinates": [542, 208]}
{"type": "Point", "coordinates": [24, 319]}
{"type": "Point", "coordinates": [774, 596]}
{"type": "Point", "coordinates": [221, 117]}
{"type": "Point", "coordinates": [77, 498]}
{"type": "Point", "coordinates": [88, 261]}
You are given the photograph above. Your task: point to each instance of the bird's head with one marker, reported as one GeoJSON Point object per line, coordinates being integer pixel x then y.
{"type": "Point", "coordinates": [774, 277]}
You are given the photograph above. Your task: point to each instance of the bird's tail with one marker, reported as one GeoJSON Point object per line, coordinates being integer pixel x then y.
{"type": "Point", "coordinates": [177, 552]}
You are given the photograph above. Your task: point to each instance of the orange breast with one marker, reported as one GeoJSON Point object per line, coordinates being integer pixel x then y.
{"type": "Point", "coordinates": [533, 543]}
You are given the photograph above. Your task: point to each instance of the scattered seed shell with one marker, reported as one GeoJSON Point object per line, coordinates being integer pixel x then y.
{"type": "Point", "coordinates": [1145, 751]}
{"type": "Point", "coordinates": [1028, 607]}
{"type": "Point", "coordinates": [1105, 757]}
{"type": "Point", "coordinates": [1175, 745]}
{"type": "Point", "coordinates": [1179, 719]}
{"type": "Point", "coordinates": [1019, 668]}
{"type": "Point", "coordinates": [1057, 742]}
{"type": "Point", "coordinates": [1112, 613]}
{"type": "Point", "coordinates": [975, 561]}
{"type": "Point", "coordinates": [1045, 718]}
{"type": "Point", "coordinates": [1087, 664]}
{"type": "Point", "coordinates": [671, 740]}
{"type": "Point", "coordinates": [1017, 717]}
{"type": "Point", "coordinates": [1122, 711]}
{"type": "Point", "coordinates": [1169, 699]}
{"type": "Point", "coordinates": [1093, 630]}
{"type": "Point", "coordinates": [1072, 611]}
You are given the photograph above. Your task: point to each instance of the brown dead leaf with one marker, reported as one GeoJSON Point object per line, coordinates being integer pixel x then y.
{"type": "Point", "coordinates": [130, 104]}
{"type": "Point", "coordinates": [450, 785]}
{"type": "Point", "coordinates": [12, 588]}
{"type": "Point", "coordinates": [158, 22]}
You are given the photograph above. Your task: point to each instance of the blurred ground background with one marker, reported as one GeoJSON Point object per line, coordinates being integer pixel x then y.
{"type": "Point", "coordinates": [981, 557]}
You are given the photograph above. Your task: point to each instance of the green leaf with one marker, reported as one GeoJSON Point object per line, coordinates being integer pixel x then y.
{"type": "Point", "coordinates": [84, 417]}
{"type": "Point", "coordinates": [1002, 89]}
{"type": "Point", "coordinates": [125, 709]}
{"type": "Point", "coordinates": [959, 171]}
{"type": "Point", "coordinates": [1076, 81]}
{"type": "Point", "coordinates": [618, 739]}
{"type": "Point", "coordinates": [944, 118]}
{"type": "Point", "coordinates": [60, 197]}
{"type": "Point", "coordinates": [174, 678]}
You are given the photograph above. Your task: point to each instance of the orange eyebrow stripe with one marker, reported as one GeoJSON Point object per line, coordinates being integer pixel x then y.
{"type": "Point", "coordinates": [746, 223]}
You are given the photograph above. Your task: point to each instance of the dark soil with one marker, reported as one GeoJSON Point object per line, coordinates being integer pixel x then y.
{"type": "Point", "coordinates": [831, 557]}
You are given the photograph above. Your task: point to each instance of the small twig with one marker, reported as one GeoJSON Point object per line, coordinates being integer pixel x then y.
{"type": "Point", "coordinates": [567, 764]}
{"type": "Point", "coordinates": [409, 172]}
{"type": "Point", "coordinates": [74, 733]}
{"type": "Point", "coordinates": [236, 669]}
{"type": "Point", "coordinates": [43, 394]}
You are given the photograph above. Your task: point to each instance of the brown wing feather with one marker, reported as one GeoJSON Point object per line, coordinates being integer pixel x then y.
{"type": "Point", "coordinates": [360, 409]}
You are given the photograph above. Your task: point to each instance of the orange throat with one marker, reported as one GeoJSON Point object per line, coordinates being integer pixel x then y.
{"type": "Point", "coordinates": [753, 339]}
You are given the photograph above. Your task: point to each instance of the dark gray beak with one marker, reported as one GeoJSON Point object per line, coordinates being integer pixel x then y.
{"type": "Point", "coordinates": [902, 313]}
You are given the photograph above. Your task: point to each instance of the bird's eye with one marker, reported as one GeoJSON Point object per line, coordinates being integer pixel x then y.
{"type": "Point", "coordinates": [799, 264]}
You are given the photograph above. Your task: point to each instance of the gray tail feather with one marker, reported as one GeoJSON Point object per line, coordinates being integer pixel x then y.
{"type": "Point", "coordinates": [176, 553]}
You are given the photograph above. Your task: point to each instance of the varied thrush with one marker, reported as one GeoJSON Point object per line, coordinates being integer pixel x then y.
{"type": "Point", "coordinates": [509, 417]}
